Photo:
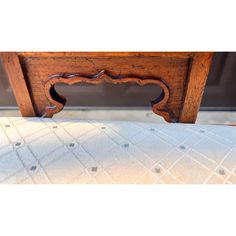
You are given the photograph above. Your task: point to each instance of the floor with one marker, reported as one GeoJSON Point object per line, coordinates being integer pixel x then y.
{"type": "Point", "coordinates": [72, 150]}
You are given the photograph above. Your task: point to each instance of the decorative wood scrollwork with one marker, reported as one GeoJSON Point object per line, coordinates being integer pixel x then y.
{"type": "Point", "coordinates": [57, 101]}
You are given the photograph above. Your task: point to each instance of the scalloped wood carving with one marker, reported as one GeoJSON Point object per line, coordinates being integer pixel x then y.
{"type": "Point", "coordinates": [57, 101]}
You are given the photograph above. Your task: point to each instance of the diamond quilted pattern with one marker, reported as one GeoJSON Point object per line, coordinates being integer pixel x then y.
{"type": "Point", "coordinates": [42, 151]}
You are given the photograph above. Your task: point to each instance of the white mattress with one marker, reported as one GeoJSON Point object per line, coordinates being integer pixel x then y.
{"type": "Point", "coordinates": [34, 150]}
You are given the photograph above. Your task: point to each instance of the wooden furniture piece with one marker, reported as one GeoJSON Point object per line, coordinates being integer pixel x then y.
{"type": "Point", "coordinates": [181, 76]}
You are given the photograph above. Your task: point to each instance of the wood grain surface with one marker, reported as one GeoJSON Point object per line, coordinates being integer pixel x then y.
{"type": "Point", "coordinates": [159, 105]}
{"type": "Point", "coordinates": [183, 73]}
{"type": "Point", "coordinates": [17, 81]}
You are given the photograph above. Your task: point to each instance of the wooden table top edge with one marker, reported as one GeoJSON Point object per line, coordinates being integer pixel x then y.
{"type": "Point", "coordinates": [113, 54]}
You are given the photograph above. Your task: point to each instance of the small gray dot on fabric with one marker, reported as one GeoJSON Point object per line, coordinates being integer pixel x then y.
{"type": "Point", "coordinates": [94, 169]}
{"type": "Point", "coordinates": [7, 126]}
{"type": "Point", "coordinates": [54, 127]}
{"type": "Point", "coordinates": [18, 144]}
{"type": "Point", "coordinates": [182, 147]}
{"type": "Point", "coordinates": [33, 168]}
{"type": "Point", "coordinates": [152, 129]}
{"type": "Point", "coordinates": [71, 145]}
{"type": "Point", "coordinates": [103, 127]}
{"type": "Point", "coordinates": [157, 170]}
{"type": "Point", "coordinates": [126, 145]}
{"type": "Point", "coordinates": [221, 172]}
{"type": "Point", "coordinates": [202, 131]}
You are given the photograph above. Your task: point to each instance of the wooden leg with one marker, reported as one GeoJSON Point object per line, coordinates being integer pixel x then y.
{"type": "Point", "coordinates": [199, 69]}
{"type": "Point", "coordinates": [14, 73]}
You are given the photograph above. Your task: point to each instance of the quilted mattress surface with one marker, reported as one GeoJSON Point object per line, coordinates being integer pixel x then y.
{"type": "Point", "coordinates": [71, 151]}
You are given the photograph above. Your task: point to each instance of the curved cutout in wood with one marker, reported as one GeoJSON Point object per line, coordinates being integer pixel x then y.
{"type": "Point", "coordinates": [57, 101]}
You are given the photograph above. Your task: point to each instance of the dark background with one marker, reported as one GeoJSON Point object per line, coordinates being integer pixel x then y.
{"type": "Point", "coordinates": [220, 92]}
